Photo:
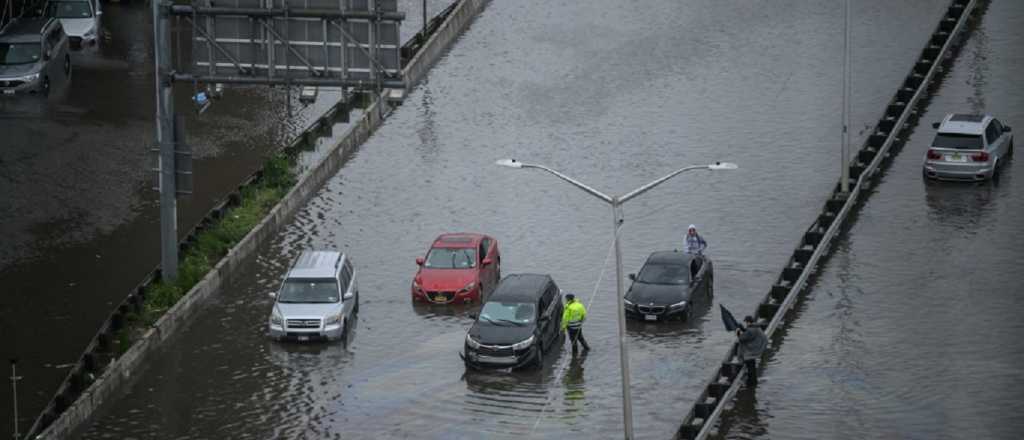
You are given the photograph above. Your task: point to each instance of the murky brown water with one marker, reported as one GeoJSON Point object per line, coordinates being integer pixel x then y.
{"type": "Point", "coordinates": [78, 220]}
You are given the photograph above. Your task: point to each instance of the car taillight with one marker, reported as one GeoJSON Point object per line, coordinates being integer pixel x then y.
{"type": "Point", "coordinates": [934, 155]}
{"type": "Point", "coordinates": [980, 157]}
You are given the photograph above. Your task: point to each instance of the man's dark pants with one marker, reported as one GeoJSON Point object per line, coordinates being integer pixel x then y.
{"type": "Point", "coordinates": [751, 365]}
{"type": "Point", "coordinates": [576, 334]}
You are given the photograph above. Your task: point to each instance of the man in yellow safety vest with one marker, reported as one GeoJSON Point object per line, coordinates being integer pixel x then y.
{"type": "Point", "coordinates": [572, 320]}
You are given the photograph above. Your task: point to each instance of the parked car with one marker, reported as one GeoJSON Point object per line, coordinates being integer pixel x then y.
{"type": "Point", "coordinates": [968, 147]}
{"type": "Point", "coordinates": [459, 268]}
{"type": "Point", "coordinates": [33, 51]}
{"type": "Point", "coordinates": [317, 298]}
{"type": "Point", "coordinates": [519, 323]}
{"type": "Point", "coordinates": [668, 284]}
{"type": "Point", "coordinates": [80, 18]}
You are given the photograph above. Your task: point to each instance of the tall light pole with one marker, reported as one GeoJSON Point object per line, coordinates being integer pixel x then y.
{"type": "Point", "coordinates": [616, 204]}
{"type": "Point", "coordinates": [844, 173]}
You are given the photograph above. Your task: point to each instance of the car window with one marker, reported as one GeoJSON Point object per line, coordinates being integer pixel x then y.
{"type": "Point", "coordinates": [502, 313]}
{"type": "Point", "coordinates": [543, 302]}
{"type": "Point", "coordinates": [19, 53]}
{"type": "Point", "coordinates": [991, 134]}
{"type": "Point", "coordinates": [958, 141]}
{"type": "Point", "coordinates": [309, 290]}
{"type": "Point", "coordinates": [664, 273]}
{"type": "Point", "coordinates": [450, 258]}
{"type": "Point", "coordinates": [346, 278]}
{"type": "Point", "coordinates": [72, 9]}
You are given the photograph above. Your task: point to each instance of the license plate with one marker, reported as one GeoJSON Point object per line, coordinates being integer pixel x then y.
{"type": "Point", "coordinates": [651, 317]}
{"type": "Point", "coordinates": [956, 157]}
{"type": "Point", "coordinates": [8, 91]}
{"type": "Point", "coordinates": [303, 338]}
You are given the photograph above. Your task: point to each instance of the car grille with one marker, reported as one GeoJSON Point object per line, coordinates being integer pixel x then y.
{"type": "Point", "coordinates": [303, 323]}
{"type": "Point", "coordinates": [650, 310]}
{"type": "Point", "coordinates": [11, 83]}
{"type": "Point", "coordinates": [489, 350]}
{"type": "Point", "coordinates": [441, 297]}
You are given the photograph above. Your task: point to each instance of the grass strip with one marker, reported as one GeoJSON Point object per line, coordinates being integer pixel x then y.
{"type": "Point", "coordinates": [209, 247]}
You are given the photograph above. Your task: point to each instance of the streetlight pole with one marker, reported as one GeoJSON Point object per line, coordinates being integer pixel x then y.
{"type": "Point", "coordinates": [844, 173]}
{"type": "Point", "coordinates": [616, 205]}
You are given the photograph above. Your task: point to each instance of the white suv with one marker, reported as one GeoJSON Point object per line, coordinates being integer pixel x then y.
{"type": "Point", "coordinates": [968, 147]}
{"type": "Point", "coordinates": [317, 298]}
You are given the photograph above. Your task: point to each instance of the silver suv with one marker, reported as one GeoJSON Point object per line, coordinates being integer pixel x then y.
{"type": "Point", "coordinates": [317, 298]}
{"type": "Point", "coordinates": [968, 147]}
{"type": "Point", "coordinates": [32, 52]}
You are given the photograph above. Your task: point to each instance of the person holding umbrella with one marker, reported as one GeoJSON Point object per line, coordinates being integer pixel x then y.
{"type": "Point", "coordinates": [752, 342]}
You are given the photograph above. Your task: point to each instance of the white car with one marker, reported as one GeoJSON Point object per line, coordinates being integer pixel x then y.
{"type": "Point", "coordinates": [80, 18]}
{"type": "Point", "coordinates": [968, 147]}
{"type": "Point", "coordinates": [317, 299]}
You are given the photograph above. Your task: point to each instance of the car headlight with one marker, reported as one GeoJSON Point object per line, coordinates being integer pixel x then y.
{"type": "Point", "coordinates": [678, 305]}
{"type": "Point", "coordinates": [468, 287]}
{"type": "Point", "coordinates": [472, 342]}
{"type": "Point", "coordinates": [91, 33]}
{"type": "Point", "coordinates": [275, 317]}
{"type": "Point", "coordinates": [416, 285]}
{"type": "Point", "coordinates": [29, 78]}
{"type": "Point", "coordinates": [523, 344]}
{"type": "Point", "coordinates": [627, 302]}
{"type": "Point", "coordinates": [333, 319]}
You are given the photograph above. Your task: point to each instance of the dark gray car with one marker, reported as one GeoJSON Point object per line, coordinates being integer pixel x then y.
{"type": "Point", "coordinates": [33, 52]}
{"type": "Point", "coordinates": [668, 284]}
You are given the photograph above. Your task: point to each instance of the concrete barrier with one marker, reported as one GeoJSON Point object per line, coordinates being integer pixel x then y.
{"type": "Point", "coordinates": [57, 422]}
{"type": "Point", "coordinates": [884, 142]}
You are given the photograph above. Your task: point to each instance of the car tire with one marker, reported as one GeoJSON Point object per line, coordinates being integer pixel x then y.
{"type": "Point", "coordinates": [538, 361]}
{"type": "Point", "coordinates": [46, 85]}
{"type": "Point", "coordinates": [1009, 151]}
{"type": "Point", "coordinates": [711, 287]}
{"type": "Point", "coordinates": [355, 307]}
{"type": "Point", "coordinates": [67, 66]}
{"type": "Point", "coordinates": [688, 313]}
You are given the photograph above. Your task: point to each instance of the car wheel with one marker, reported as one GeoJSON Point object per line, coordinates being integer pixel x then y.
{"type": "Point", "coordinates": [67, 66]}
{"type": "Point", "coordinates": [355, 307]}
{"type": "Point", "coordinates": [538, 361]}
{"type": "Point", "coordinates": [46, 85]}
{"type": "Point", "coordinates": [1009, 151]}
{"type": "Point", "coordinates": [688, 313]}
{"type": "Point", "coordinates": [711, 287]}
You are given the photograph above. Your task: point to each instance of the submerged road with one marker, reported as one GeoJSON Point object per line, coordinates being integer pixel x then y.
{"type": "Point", "coordinates": [79, 225]}
{"type": "Point", "coordinates": [612, 94]}
{"type": "Point", "coordinates": [913, 327]}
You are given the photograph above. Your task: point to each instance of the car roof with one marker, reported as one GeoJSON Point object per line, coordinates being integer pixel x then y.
{"type": "Point", "coordinates": [316, 264]}
{"type": "Point", "coordinates": [669, 257]}
{"type": "Point", "coordinates": [24, 30]}
{"type": "Point", "coordinates": [457, 240]}
{"type": "Point", "coordinates": [960, 123]}
{"type": "Point", "coordinates": [521, 287]}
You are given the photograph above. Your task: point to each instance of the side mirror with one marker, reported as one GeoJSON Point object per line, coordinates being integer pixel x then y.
{"type": "Point", "coordinates": [487, 261]}
{"type": "Point", "coordinates": [272, 295]}
{"type": "Point", "coordinates": [347, 296]}
{"type": "Point", "coordinates": [936, 124]}
{"type": "Point", "coordinates": [1007, 128]}
{"type": "Point", "coordinates": [99, 13]}
{"type": "Point", "coordinates": [472, 315]}
{"type": "Point", "coordinates": [419, 261]}
{"type": "Point", "coordinates": [632, 277]}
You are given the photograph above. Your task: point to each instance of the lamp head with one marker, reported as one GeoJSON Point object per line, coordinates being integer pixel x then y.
{"type": "Point", "coordinates": [511, 163]}
{"type": "Point", "coordinates": [723, 166]}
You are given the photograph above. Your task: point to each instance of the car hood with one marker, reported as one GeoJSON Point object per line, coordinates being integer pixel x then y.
{"type": "Point", "coordinates": [290, 310]}
{"type": "Point", "coordinates": [77, 27]}
{"type": "Point", "coordinates": [491, 334]}
{"type": "Point", "coordinates": [659, 294]}
{"type": "Point", "coordinates": [18, 70]}
{"type": "Point", "coordinates": [446, 279]}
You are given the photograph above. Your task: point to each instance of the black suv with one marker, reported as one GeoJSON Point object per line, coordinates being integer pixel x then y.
{"type": "Point", "coordinates": [32, 52]}
{"type": "Point", "coordinates": [518, 323]}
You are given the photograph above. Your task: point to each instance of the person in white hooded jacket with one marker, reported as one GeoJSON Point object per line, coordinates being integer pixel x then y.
{"type": "Point", "coordinates": [695, 244]}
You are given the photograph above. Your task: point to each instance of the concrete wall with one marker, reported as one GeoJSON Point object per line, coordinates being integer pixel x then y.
{"type": "Point", "coordinates": [118, 375]}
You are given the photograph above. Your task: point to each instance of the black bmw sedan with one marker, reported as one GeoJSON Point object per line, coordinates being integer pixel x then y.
{"type": "Point", "coordinates": [667, 285]}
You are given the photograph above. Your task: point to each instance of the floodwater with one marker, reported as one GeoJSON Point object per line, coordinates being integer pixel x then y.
{"type": "Point", "coordinates": [913, 329]}
{"type": "Point", "coordinates": [608, 92]}
{"type": "Point", "coordinates": [78, 217]}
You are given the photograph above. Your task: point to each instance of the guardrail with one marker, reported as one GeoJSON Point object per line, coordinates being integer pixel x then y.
{"type": "Point", "coordinates": [100, 352]}
{"type": "Point", "coordinates": [880, 145]}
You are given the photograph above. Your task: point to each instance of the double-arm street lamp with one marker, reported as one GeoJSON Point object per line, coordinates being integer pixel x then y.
{"type": "Point", "coordinates": [616, 204]}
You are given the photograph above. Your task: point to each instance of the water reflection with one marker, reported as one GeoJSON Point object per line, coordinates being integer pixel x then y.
{"type": "Point", "coordinates": [961, 205]}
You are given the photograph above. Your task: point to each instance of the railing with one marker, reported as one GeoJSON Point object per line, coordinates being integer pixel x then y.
{"type": "Point", "coordinates": [880, 145]}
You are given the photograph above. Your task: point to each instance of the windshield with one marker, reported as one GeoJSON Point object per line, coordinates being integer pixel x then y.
{"type": "Point", "coordinates": [309, 291]}
{"type": "Point", "coordinates": [451, 258]}
{"type": "Point", "coordinates": [958, 141]}
{"type": "Point", "coordinates": [502, 313]}
{"type": "Point", "coordinates": [664, 274]}
{"type": "Point", "coordinates": [68, 10]}
{"type": "Point", "coordinates": [19, 53]}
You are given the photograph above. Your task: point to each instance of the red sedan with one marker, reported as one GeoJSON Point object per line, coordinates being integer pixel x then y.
{"type": "Point", "coordinates": [459, 268]}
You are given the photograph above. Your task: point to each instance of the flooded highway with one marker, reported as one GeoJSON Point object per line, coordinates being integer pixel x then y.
{"type": "Point", "coordinates": [913, 328]}
{"type": "Point", "coordinates": [609, 93]}
{"type": "Point", "coordinates": [78, 218]}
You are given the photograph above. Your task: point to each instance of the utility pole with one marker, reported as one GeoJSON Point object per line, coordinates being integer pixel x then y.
{"type": "Point", "coordinates": [165, 140]}
{"type": "Point", "coordinates": [424, 21]}
{"type": "Point", "coordinates": [844, 179]}
{"type": "Point", "coordinates": [14, 390]}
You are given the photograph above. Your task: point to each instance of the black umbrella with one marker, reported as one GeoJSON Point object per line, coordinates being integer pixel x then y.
{"type": "Point", "coordinates": [731, 324]}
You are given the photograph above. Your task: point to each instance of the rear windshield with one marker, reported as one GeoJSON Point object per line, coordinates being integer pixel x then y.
{"type": "Point", "coordinates": [451, 258]}
{"type": "Point", "coordinates": [19, 53]}
{"type": "Point", "coordinates": [660, 273]}
{"type": "Point", "coordinates": [68, 10]}
{"type": "Point", "coordinates": [958, 141]}
{"type": "Point", "coordinates": [309, 291]}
